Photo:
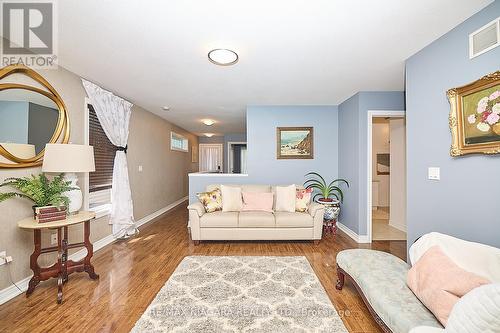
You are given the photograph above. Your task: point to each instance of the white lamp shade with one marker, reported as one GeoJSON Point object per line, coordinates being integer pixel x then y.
{"type": "Point", "coordinates": [68, 158]}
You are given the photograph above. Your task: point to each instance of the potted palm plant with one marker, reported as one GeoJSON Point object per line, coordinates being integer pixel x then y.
{"type": "Point", "coordinates": [329, 195]}
{"type": "Point", "coordinates": [39, 189]}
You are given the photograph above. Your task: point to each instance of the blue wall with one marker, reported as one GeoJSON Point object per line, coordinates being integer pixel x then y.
{"type": "Point", "coordinates": [353, 162]}
{"type": "Point", "coordinates": [465, 202]}
{"type": "Point", "coordinates": [262, 122]}
{"type": "Point", "coordinates": [262, 164]}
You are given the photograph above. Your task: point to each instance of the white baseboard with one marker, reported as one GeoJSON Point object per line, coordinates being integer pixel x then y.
{"type": "Point", "coordinates": [398, 226]}
{"type": "Point", "coordinates": [357, 238]}
{"type": "Point", "coordinates": [152, 216]}
{"type": "Point", "coordinates": [11, 291]}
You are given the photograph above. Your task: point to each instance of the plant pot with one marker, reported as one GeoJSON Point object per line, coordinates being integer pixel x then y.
{"type": "Point", "coordinates": [332, 208]}
{"type": "Point", "coordinates": [496, 128]}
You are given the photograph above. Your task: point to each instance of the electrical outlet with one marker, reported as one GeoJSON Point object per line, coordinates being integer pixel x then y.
{"type": "Point", "coordinates": [53, 239]}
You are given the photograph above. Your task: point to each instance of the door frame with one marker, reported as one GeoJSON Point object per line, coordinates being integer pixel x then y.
{"type": "Point", "coordinates": [370, 115]}
{"type": "Point", "coordinates": [229, 157]}
{"type": "Point", "coordinates": [219, 145]}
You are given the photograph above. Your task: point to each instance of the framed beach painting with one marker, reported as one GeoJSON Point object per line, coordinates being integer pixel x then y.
{"type": "Point", "coordinates": [475, 116]}
{"type": "Point", "coordinates": [294, 142]}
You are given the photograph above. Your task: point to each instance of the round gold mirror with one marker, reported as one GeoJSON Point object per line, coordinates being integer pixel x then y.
{"type": "Point", "coordinates": [30, 117]}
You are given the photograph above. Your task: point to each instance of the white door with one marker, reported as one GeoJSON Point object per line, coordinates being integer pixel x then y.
{"type": "Point", "coordinates": [398, 174]}
{"type": "Point", "coordinates": [210, 157]}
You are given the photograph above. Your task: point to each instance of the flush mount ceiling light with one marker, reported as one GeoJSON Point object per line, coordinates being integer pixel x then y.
{"type": "Point", "coordinates": [209, 135]}
{"type": "Point", "coordinates": [208, 122]}
{"type": "Point", "coordinates": [223, 57]}
{"type": "Point", "coordinates": [165, 108]}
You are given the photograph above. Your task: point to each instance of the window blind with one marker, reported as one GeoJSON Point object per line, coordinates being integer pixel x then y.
{"type": "Point", "coordinates": [104, 155]}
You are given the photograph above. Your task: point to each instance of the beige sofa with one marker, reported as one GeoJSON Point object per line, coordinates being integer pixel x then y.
{"type": "Point", "coordinates": [255, 225]}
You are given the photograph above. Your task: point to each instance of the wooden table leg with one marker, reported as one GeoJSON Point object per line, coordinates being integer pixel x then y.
{"type": "Point", "coordinates": [90, 251]}
{"type": "Point", "coordinates": [34, 262]}
{"type": "Point", "coordinates": [60, 266]}
{"type": "Point", "coordinates": [65, 254]}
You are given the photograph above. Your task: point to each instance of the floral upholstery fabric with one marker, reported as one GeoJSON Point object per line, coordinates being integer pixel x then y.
{"type": "Point", "coordinates": [382, 278]}
{"type": "Point", "coordinates": [211, 201]}
{"type": "Point", "coordinates": [302, 199]}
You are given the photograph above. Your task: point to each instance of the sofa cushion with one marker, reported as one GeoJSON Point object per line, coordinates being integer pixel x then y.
{"type": "Point", "coordinates": [256, 188]}
{"type": "Point", "coordinates": [479, 258]}
{"type": "Point", "coordinates": [478, 311]}
{"type": "Point", "coordinates": [219, 220]}
{"type": "Point", "coordinates": [256, 220]}
{"type": "Point", "coordinates": [211, 201]}
{"type": "Point", "coordinates": [293, 220]}
{"type": "Point", "coordinates": [258, 201]}
{"type": "Point", "coordinates": [303, 199]}
{"type": "Point", "coordinates": [382, 278]}
{"type": "Point", "coordinates": [439, 283]}
{"type": "Point", "coordinates": [285, 198]}
{"type": "Point", "coordinates": [232, 200]}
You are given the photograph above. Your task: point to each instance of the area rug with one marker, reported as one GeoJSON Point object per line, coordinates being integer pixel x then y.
{"type": "Point", "coordinates": [241, 294]}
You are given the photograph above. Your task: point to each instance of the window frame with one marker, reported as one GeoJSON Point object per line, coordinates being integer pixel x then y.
{"type": "Point", "coordinates": [184, 140]}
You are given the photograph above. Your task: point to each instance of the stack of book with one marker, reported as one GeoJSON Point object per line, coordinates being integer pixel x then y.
{"type": "Point", "coordinates": [50, 214]}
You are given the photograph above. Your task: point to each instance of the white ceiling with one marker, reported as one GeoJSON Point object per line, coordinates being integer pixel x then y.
{"type": "Point", "coordinates": [154, 53]}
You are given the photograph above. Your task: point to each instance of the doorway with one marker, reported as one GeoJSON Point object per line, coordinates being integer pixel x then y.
{"type": "Point", "coordinates": [211, 158]}
{"type": "Point", "coordinates": [237, 157]}
{"type": "Point", "coordinates": [387, 175]}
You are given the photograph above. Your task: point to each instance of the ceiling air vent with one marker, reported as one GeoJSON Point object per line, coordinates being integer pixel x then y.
{"type": "Point", "coordinates": [484, 39]}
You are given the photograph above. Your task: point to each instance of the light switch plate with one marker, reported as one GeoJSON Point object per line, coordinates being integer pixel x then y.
{"type": "Point", "coordinates": [140, 168]}
{"type": "Point", "coordinates": [434, 173]}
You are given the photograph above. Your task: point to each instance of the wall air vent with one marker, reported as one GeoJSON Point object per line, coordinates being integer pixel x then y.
{"type": "Point", "coordinates": [484, 39]}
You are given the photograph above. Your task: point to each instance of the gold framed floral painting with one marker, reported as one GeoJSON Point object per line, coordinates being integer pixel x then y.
{"type": "Point", "coordinates": [475, 116]}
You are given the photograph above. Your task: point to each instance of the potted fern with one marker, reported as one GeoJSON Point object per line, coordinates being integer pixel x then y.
{"type": "Point", "coordinates": [329, 195]}
{"type": "Point", "coordinates": [39, 189]}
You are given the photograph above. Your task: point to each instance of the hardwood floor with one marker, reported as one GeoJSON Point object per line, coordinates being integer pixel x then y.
{"type": "Point", "coordinates": [132, 272]}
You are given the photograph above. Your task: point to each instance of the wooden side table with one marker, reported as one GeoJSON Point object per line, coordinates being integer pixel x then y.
{"type": "Point", "coordinates": [63, 267]}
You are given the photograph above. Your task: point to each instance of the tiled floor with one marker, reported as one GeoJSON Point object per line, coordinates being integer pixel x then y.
{"type": "Point", "coordinates": [381, 228]}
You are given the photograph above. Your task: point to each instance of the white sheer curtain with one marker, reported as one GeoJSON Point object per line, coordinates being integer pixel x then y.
{"type": "Point", "coordinates": [210, 158]}
{"type": "Point", "coordinates": [113, 113]}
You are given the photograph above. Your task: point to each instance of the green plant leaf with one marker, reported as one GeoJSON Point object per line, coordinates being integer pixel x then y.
{"type": "Point", "coordinates": [317, 175]}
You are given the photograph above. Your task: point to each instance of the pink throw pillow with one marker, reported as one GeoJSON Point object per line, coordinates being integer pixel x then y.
{"type": "Point", "coordinates": [439, 283]}
{"type": "Point", "coordinates": [257, 201]}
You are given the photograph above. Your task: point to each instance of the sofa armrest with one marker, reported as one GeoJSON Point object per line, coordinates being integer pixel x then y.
{"type": "Point", "coordinates": [198, 207]}
{"type": "Point", "coordinates": [316, 208]}
{"type": "Point", "coordinates": [317, 211]}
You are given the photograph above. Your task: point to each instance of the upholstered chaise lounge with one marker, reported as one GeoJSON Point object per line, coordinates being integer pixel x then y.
{"type": "Point", "coordinates": [380, 279]}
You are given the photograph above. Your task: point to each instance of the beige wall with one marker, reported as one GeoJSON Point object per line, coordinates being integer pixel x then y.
{"type": "Point", "coordinates": [380, 144]}
{"type": "Point", "coordinates": [163, 179]}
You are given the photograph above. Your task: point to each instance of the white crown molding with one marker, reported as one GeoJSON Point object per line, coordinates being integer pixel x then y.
{"type": "Point", "coordinates": [11, 291]}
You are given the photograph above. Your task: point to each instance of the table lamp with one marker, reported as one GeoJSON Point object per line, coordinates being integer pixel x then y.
{"type": "Point", "coordinates": [69, 159]}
